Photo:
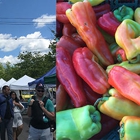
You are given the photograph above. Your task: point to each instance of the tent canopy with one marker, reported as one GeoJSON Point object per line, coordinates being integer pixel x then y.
{"type": "Point", "coordinates": [2, 81]}
{"type": "Point", "coordinates": [9, 82]}
{"type": "Point", "coordinates": [41, 79]}
{"type": "Point", "coordinates": [21, 83]}
{"type": "Point", "coordinates": [50, 80]}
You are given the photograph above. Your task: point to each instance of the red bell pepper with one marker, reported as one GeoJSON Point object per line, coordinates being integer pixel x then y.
{"type": "Point", "coordinates": [91, 95]}
{"type": "Point", "coordinates": [61, 8]}
{"type": "Point", "coordinates": [59, 27]}
{"type": "Point", "coordinates": [120, 55]}
{"type": "Point", "coordinates": [90, 71]}
{"type": "Point", "coordinates": [109, 23]}
{"type": "Point", "coordinates": [68, 43]}
{"type": "Point", "coordinates": [127, 83]}
{"type": "Point", "coordinates": [70, 30]}
{"type": "Point", "coordinates": [108, 124]}
{"type": "Point", "coordinates": [101, 9]}
{"type": "Point", "coordinates": [68, 77]}
{"type": "Point", "coordinates": [83, 18]}
{"type": "Point", "coordinates": [62, 98]}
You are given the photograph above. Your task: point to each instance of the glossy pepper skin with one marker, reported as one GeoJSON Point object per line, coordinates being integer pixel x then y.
{"type": "Point", "coordinates": [101, 9]}
{"type": "Point", "coordinates": [108, 124]}
{"type": "Point", "coordinates": [83, 18]}
{"type": "Point", "coordinates": [62, 98]}
{"type": "Point", "coordinates": [123, 12]}
{"type": "Point", "coordinates": [78, 124]}
{"type": "Point", "coordinates": [131, 67]}
{"type": "Point", "coordinates": [68, 43]}
{"type": "Point", "coordinates": [130, 128]}
{"type": "Point", "coordinates": [128, 38]}
{"type": "Point", "coordinates": [68, 77]}
{"type": "Point", "coordinates": [109, 23]}
{"type": "Point", "coordinates": [61, 8]}
{"type": "Point", "coordinates": [116, 106]}
{"type": "Point", "coordinates": [92, 2]}
{"type": "Point", "coordinates": [126, 82]}
{"type": "Point", "coordinates": [89, 70]}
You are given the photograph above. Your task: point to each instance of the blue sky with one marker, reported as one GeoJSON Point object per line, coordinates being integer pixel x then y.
{"type": "Point", "coordinates": [25, 25]}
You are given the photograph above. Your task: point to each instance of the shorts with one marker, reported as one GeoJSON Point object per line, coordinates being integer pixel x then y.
{"type": "Point", "coordinates": [40, 134]}
{"type": "Point", "coordinates": [17, 120]}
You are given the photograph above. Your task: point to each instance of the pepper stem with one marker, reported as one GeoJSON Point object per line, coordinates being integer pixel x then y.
{"type": "Point", "coordinates": [123, 10]}
{"type": "Point", "coordinates": [119, 58]}
{"type": "Point", "coordinates": [121, 131]}
{"type": "Point", "coordinates": [134, 61]}
{"type": "Point", "coordinates": [97, 101]}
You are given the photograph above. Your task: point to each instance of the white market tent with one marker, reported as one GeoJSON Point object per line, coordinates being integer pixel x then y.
{"type": "Point", "coordinates": [2, 81]}
{"type": "Point", "coordinates": [9, 82]}
{"type": "Point", "coordinates": [21, 83]}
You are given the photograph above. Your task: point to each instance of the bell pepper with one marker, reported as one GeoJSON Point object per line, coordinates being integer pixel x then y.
{"type": "Point", "coordinates": [131, 67]}
{"type": "Point", "coordinates": [68, 43]}
{"type": "Point", "coordinates": [61, 8]}
{"type": "Point", "coordinates": [77, 38]}
{"type": "Point", "coordinates": [123, 12]}
{"type": "Point", "coordinates": [91, 95]}
{"type": "Point", "coordinates": [128, 38]}
{"type": "Point", "coordinates": [78, 124]}
{"type": "Point", "coordinates": [113, 47]}
{"type": "Point", "coordinates": [120, 55]}
{"type": "Point", "coordinates": [89, 70]}
{"type": "Point", "coordinates": [101, 9]}
{"type": "Point", "coordinates": [108, 38]}
{"type": "Point", "coordinates": [59, 27]}
{"type": "Point", "coordinates": [116, 106]}
{"type": "Point", "coordinates": [108, 124]}
{"type": "Point", "coordinates": [126, 82]}
{"type": "Point", "coordinates": [62, 98]}
{"type": "Point", "coordinates": [68, 77]}
{"type": "Point", "coordinates": [130, 128]}
{"type": "Point", "coordinates": [83, 18]}
{"type": "Point", "coordinates": [70, 30]}
{"type": "Point", "coordinates": [137, 15]}
{"type": "Point", "coordinates": [109, 23]}
{"type": "Point", "coordinates": [92, 2]}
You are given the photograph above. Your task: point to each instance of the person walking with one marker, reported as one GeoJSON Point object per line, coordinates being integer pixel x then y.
{"type": "Point", "coordinates": [41, 111]}
{"type": "Point", "coordinates": [6, 114]}
{"type": "Point", "coordinates": [18, 120]}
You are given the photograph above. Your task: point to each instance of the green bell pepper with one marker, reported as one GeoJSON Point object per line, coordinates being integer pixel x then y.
{"type": "Point", "coordinates": [123, 12]}
{"type": "Point", "coordinates": [132, 67]}
{"type": "Point", "coordinates": [78, 123]}
{"type": "Point", "coordinates": [92, 2]}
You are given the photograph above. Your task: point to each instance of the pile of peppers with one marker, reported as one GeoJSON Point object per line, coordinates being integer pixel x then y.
{"type": "Point", "coordinates": [98, 70]}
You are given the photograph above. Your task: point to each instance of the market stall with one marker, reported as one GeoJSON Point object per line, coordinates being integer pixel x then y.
{"type": "Point", "coordinates": [97, 59]}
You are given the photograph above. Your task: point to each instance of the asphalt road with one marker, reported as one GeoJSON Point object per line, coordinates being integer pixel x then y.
{"type": "Point", "coordinates": [24, 133]}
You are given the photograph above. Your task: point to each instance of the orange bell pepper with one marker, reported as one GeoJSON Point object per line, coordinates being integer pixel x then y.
{"type": "Point", "coordinates": [82, 17]}
{"type": "Point", "coordinates": [129, 128]}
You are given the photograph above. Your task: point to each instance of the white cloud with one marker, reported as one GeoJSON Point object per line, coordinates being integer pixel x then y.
{"type": "Point", "coordinates": [43, 20]}
{"type": "Point", "coordinates": [10, 58]}
{"type": "Point", "coordinates": [31, 42]}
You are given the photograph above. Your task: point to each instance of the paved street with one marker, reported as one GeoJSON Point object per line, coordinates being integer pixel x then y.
{"type": "Point", "coordinates": [24, 134]}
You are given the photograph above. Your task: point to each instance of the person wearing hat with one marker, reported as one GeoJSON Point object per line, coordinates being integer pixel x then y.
{"type": "Point", "coordinates": [41, 111]}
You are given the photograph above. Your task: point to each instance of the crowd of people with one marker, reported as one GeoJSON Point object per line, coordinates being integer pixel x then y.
{"type": "Point", "coordinates": [40, 110]}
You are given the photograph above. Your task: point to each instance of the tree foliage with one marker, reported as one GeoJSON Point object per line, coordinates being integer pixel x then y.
{"type": "Point", "coordinates": [33, 64]}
